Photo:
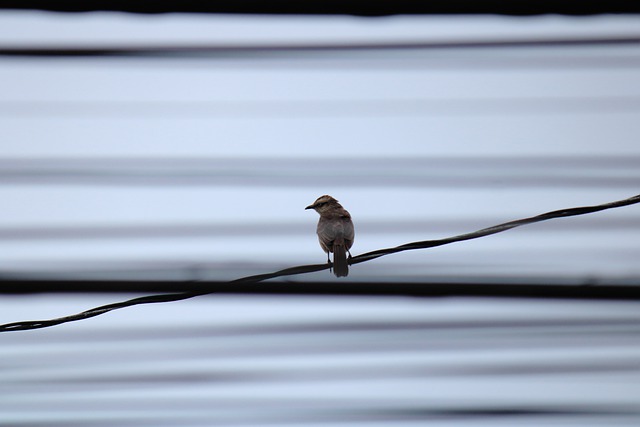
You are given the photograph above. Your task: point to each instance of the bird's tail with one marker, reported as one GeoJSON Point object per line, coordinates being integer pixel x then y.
{"type": "Point", "coordinates": [340, 265]}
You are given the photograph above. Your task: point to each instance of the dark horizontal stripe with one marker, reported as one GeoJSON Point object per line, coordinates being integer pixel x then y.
{"type": "Point", "coordinates": [341, 7]}
{"type": "Point", "coordinates": [281, 229]}
{"type": "Point", "coordinates": [506, 328]}
{"type": "Point", "coordinates": [431, 289]}
{"type": "Point", "coordinates": [263, 51]}
{"type": "Point", "coordinates": [349, 373]}
{"type": "Point", "coordinates": [409, 60]}
{"type": "Point", "coordinates": [590, 172]}
{"type": "Point", "coordinates": [309, 409]}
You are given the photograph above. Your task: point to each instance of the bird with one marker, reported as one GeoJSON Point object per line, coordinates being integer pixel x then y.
{"type": "Point", "coordinates": [335, 232]}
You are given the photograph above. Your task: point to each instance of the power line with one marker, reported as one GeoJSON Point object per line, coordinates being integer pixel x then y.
{"type": "Point", "coordinates": [235, 285]}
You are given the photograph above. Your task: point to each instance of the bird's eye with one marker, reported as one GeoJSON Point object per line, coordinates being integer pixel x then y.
{"type": "Point", "coordinates": [321, 204]}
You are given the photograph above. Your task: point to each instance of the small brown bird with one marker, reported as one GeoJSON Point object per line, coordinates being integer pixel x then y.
{"type": "Point", "coordinates": [335, 232]}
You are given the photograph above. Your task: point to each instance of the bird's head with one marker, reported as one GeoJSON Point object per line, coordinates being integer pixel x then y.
{"type": "Point", "coordinates": [323, 204]}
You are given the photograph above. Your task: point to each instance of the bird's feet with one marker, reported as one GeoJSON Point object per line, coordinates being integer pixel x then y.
{"type": "Point", "coordinates": [330, 264]}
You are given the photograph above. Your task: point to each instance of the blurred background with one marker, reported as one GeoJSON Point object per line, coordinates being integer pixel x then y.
{"type": "Point", "coordinates": [183, 146]}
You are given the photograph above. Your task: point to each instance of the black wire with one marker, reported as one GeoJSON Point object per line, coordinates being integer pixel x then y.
{"type": "Point", "coordinates": [562, 213]}
{"type": "Point", "coordinates": [152, 299]}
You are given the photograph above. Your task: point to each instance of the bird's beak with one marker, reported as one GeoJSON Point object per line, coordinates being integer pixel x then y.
{"type": "Point", "coordinates": [309, 207]}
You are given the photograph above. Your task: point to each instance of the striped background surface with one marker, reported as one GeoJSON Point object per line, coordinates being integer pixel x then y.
{"type": "Point", "coordinates": [198, 163]}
